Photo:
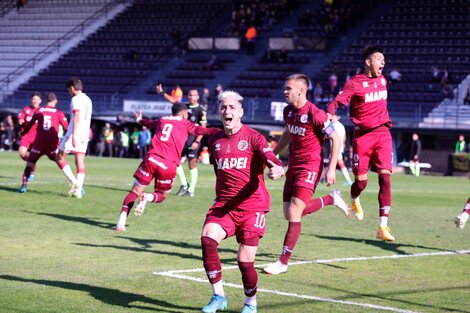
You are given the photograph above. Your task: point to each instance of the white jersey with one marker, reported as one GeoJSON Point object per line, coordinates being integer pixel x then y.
{"type": "Point", "coordinates": [80, 103]}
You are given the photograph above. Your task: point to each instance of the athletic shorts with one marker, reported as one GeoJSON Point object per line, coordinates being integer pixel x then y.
{"type": "Point", "coordinates": [67, 147]}
{"type": "Point", "coordinates": [27, 140]}
{"type": "Point", "coordinates": [372, 150]}
{"type": "Point", "coordinates": [153, 167]}
{"type": "Point", "coordinates": [247, 226]}
{"type": "Point", "coordinates": [40, 149]}
{"type": "Point", "coordinates": [304, 175]}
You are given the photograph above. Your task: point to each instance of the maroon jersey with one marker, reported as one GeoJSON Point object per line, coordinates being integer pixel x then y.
{"type": "Point", "coordinates": [239, 161]}
{"type": "Point", "coordinates": [170, 135]}
{"type": "Point", "coordinates": [27, 114]}
{"type": "Point", "coordinates": [305, 127]}
{"type": "Point", "coordinates": [367, 99]}
{"type": "Point", "coordinates": [47, 121]}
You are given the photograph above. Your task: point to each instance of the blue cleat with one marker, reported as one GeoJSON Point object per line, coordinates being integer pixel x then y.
{"type": "Point", "coordinates": [248, 308]}
{"type": "Point", "coordinates": [217, 303]}
{"type": "Point", "coordinates": [31, 177]}
{"type": "Point", "coordinates": [22, 189]}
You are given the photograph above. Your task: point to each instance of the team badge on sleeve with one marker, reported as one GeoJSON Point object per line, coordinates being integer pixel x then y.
{"type": "Point", "coordinates": [328, 129]}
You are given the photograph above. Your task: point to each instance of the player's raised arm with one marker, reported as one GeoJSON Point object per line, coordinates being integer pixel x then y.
{"type": "Point", "coordinates": [168, 97]}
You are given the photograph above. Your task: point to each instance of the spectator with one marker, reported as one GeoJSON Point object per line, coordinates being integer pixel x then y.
{"type": "Point", "coordinates": [144, 137]}
{"type": "Point", "coordinates": [214, 103]}
{"type": "Point", "coordinates": [415, 151]}
{"type": "Point", "coordinates": [395, 75]}
{"type": "Point", "coordinates": [269, 56]}
{"type": "Point", "coordinates": [333, 80]}
{"type": "Point", "coordinates": [282, 56]}
{"type": "Point", "coordinates": [135, 142]}
{"type": "Point", "coordinates": [445, 78]}
{"type": "Point", "coordinates": [250, 37]}
{"type": "Point", "coordinates": [205, 98]}
{"type": "Point", "coordinates": [108, 139]}
{"type": "Point", "coordinates": [7, 131]}
{"type": "Point", "coordinates": [212, 64]}
{"type": "Point", "coordinates": [100, 143]}
{"type": "Point", "coordinates": [461, 145]}
{"type": "Point", "coordinates": [317, 93]}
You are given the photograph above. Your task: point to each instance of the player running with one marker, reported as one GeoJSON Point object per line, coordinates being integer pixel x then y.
{"type": "Point", "coordinates": [162, 159]}
{"type": "Point", "coordinates": [77, 135]}
{"type": "Point", "coordinates": [28, 137]}
{"type": "Point", "coordinates": [366, 94]}
{"type": "Point", "coordinates": [47, 121]}
{"type": "Point", "coordinates": [197, 115]}
{"type": "Point", "coordinates": [461, 219]}
{"type": "Point", "coordinates": [306, 128]}
{"type": "Point", "coordinates": [239, 155]}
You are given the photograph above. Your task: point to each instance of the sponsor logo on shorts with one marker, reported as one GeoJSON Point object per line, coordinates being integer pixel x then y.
{"type": "Point", "coordinates": [166, 181]}
{"type": "Point", "coordinates": [242, 145]}
{"type": "Point", "coordinates": [141, 171]}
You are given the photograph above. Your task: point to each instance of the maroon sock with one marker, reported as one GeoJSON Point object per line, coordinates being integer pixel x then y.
{"type": "Point", "coordinates": [317, 204]}
{"type": "Point", "coordinates": [291, 238]}
{"type": "Point", "coordinates": [211, 260]}
{"type": "Point", "coordinates": [128, 202]}
{"type": "Point", "coordinates": [26, 173]}
{"type": "Point", "coordinates": [158, 197]}
{"type": "Point", "coordinates": [467, 206]}
{"type": "Point", "coordinates": [249, 277]}
{"type": "Point", "coordinates": [385, 190]}
{"type": "Point", "coordinates": [357, 187]}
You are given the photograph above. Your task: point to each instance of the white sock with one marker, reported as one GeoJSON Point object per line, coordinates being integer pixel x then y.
{"type": "Point", "coordinates": [181, 176]}
{"type": "Point", "coordinates": [150, 197]}
{"type": "Point", "coordinates": [218, 288]}
{"type": "Point", "coordinates": [345, 172]}
{"type": "Point", "coordinates": [251, 300]}
{"type": "Point", "coordinates": [80, 180]}
{"type": "Point", "coordinates": [122, 219]}
{"type": "Point", "coordinates": [68, 174]}
{"type": "Point", "coordinates": [383, 221]}
{"type": "Point", "coordinates": [192, 185]}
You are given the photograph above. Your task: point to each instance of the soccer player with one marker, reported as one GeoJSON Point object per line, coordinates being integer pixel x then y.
{"type": "Point", "coordinates": [162, 159]}
{"type": "Point", "coordinates": [462, 218]}
{"type": "Point", "coordinates": [239, 155]}
{"type": "Point", "coordinates": [339, 128]}
{"type": "Point", "coordinates": [306, 128]}
{"type": "Point", "coordinates": [197, 115]}
{"type": "Point", "coordinates": [77, 136]}
{"type": "Point", "coordinates": [366, 94]}
{"type": "Point", "coordinates": [47, 120]}
{"type": "Point", "coordinates": [28, 137]}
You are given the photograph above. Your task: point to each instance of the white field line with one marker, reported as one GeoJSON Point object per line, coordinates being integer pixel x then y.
{"type": "Point", "coordinates": [177, 274]}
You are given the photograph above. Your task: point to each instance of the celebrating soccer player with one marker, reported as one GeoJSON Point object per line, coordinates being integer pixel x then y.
{"type": "Point", "coordinates": [77, 135]}
{"type": "Point", "coordinates": [28, 137]}
{"type": "Point", "coordinates": [366, 94]}
{"type": "Point", "coordinates": [306, 128]}
{"type": "Point", "coordinates": [47, 121]}
{"type": "Point", "coordinates": [162, 159]}
{"type": "Point", "coordinates": [197, 115]}
{"type": "Point", "coordinates": [239, 155]}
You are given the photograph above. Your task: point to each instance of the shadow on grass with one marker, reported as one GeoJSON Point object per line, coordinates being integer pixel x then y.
{"type": "Point", "coordinates": [76, 219]}
{"type": "Point", "coordinates": [15, 189]}
{"type": "Point", "coordinates": [391, 296]}
{"type": "Point", "coordinates": [387, 246]}
{"type": "Point", "coordinates": [109, 187]}
{"type": "Point", "coordinates": [108, 295]}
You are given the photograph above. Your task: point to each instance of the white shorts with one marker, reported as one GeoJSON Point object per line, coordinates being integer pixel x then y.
{"type": "Point", "coordinates": [67, 147]}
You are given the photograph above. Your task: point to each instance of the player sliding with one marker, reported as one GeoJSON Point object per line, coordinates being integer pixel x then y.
{"type": "Point", "coordinates": [239, 155]}
{"type": "Point", "coordinates": [162, 159]}
{"type": "Point", "coordinates": [306, 128]}
{"type": "Point", "coordinates": [366, 94]}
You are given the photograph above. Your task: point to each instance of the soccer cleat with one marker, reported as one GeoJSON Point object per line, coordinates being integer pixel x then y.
{"type": "Point", "coordinates": [77, 193]}
{"type": "Point", "coordinates": [139, 209]}
{"type": "Point", "coordinates": [383, 233]}
{"type": "Point", "coordinates": [217, 303]}
{"type": "Point", "coordinates": [182, 190]}
{"type": "Point", "coordinates": [460, 220]}
{"type": "Point", "coordinates": [31, 177]}
{"type": "Point", "coordinates": [188, 194]}
{"type": "Point", "coordinates": [276, 268]}
{"type": "Point", "coordinates": [120, 228]}
{"type": "Point", "coordinates": [357, 208]}
{"type": "Point", "coordinates": [23, 190]}
{"type": "Point", "coordinates": [338, 202]}
{"type": "Point", "coordinates": [248, 308]}
{"type": "Point", "coordinates": [72, 190]}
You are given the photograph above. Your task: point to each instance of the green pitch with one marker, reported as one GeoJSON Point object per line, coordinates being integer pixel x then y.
{"type": "Point", "coordinates": [60, 254]}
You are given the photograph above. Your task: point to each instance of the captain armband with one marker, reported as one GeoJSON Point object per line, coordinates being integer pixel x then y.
{"type": "Point", "coordinates": [328, 129]}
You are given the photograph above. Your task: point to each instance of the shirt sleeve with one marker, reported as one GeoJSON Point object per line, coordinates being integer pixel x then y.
{"type": "Point", "coordinates": [264, 151]}
{"type": "Point", "coordinates": [342, 98]}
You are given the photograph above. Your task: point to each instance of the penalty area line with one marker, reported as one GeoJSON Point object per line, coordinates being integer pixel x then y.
{"type": "Point", "coordinates": [178, 274]}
